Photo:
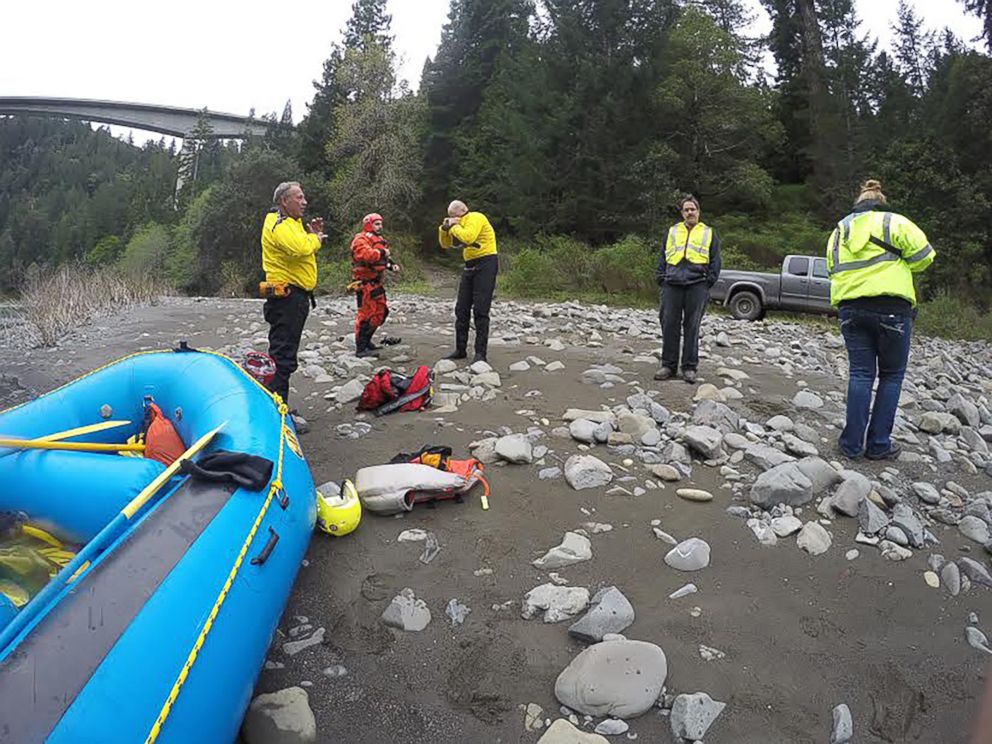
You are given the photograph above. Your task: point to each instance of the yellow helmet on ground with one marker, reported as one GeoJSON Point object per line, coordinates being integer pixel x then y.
{"type": "Point", "coordinates": [340, 513]}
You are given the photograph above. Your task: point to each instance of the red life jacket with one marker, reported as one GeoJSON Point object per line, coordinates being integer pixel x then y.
{"type": "Point", "coordinates": [368, 257]}
{"type": "Point", "coordinates": [389, 391]}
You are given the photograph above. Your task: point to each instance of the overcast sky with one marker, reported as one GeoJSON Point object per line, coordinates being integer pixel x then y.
{"type": "Point", "coordinates": [235, 56]}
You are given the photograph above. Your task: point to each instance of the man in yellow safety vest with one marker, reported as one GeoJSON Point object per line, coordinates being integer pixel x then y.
{"type": "Point", "coordinates": [689, 265]}
{"type": "Point", "coordinates": [872, 256]}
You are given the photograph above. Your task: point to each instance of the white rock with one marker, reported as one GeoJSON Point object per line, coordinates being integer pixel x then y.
{"type": "Point", "coordinates": [787, 525]}
{"type": "Point", "coordinates": [689, 555]}
{"type": "Point", "coordinates": [684, 591]}
{"type": "Point", "coordinates": [563, 732]}
{"type": "Point", "coordinates": [692, 715]}
{"type": "Point", "coordinates": [586, 471]}
{"type": "Point", "coordinates": [282, 717]}
{"type": "Point", "coordinates": [557, 602]}
{"type": "Point", "coordinates": [813, 538]}
{"type": "Point", "coordinates": [622, 679]}
{"type": "Point", "coordinates": [515, 448]}
{"type": "Point", "coordinates": [574, 548]}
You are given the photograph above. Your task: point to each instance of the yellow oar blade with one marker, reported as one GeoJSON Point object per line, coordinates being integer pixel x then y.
{"type": "Point", "coordinates": [152, 488]}
{"type": "Point", "coordinates": [81, 430]}
{"type": "Point", "coordinates": [70, 446]}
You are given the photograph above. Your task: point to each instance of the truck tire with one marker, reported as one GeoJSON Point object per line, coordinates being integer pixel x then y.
{"type": "Point", "coordinates": [746, 306]}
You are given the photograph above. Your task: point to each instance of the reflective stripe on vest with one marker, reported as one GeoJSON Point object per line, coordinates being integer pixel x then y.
{"type": "Point", "coordinates": [695, 247]}
{"type": "Point", "coordinates": [844, 229]}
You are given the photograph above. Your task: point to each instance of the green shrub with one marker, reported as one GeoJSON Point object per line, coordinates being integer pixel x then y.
{"type": "Point", "coordinates": [146, 252]}
{"type": "Point", "coordinates": [948, 316]}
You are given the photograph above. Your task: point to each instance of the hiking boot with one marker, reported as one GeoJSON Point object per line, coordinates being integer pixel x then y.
{"type": "Point", "coordinates": [891, 454]}
{"type": "Point", "coordinates": [368, 351]}
{"type": "Point", "coordinates": [689, 375]}
{"type": "Point", "coordinates": [456, 354]}
{"type": "Point", "coordinates": [479, 358]}
{"type": "Point", "coordinates": [665, 373]}
{"type": "Point", "coordinates": [391, 341]}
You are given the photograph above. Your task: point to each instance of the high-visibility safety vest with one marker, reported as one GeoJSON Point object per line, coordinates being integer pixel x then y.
{"type": "Point", "coordinates": [692, 245]}
{"type": "Point", "coordinates": [874, 254]}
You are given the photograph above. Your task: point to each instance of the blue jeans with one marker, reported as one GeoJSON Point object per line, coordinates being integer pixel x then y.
{"type": "Point", "coordinates": [875, 341]}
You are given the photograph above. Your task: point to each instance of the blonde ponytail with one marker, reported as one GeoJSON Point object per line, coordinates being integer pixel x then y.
{"type": "Point", "coordinates": [871, 189]}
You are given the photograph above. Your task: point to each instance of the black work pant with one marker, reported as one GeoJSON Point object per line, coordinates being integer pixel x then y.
{"type": "Point", "coordinates": [682, 308]}
{"type": "Point", "coordinates": [286, 317]}
{"type": "Point", "coordinates": [475, 297]}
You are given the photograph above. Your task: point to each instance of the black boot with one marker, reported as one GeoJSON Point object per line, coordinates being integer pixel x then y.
{"type": "Point", "coordinates": [363, 341]}
{"type": "Point", "coordinates": [456, 354]}
{"type": "Point", "coordinates": [480, 356]}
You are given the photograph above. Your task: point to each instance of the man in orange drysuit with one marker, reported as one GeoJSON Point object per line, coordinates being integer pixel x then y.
{"type": "Point", "coordinates": [369, 260]}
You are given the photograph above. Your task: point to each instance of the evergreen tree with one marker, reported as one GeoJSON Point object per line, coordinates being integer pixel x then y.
{"type": "Point", "coordinates": [913, 48]}
{"type": "Point", "coordinates": [478, 36]}
{"type": "Point", "coordinates": [716, 126]}
{"type": "Point", "coordinates": [369, 25]}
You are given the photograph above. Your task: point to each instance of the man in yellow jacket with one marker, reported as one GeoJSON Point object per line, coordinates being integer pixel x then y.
{"type": "Point", "coordinates": [872, 256]}
{"type": "Point", "coordinates": [471, 232]}
{"type": "Point", "coordinates": [289, 260]}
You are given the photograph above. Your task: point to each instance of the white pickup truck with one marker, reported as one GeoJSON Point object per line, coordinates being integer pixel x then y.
{"type": "Point", "coordinates": [802, 286]}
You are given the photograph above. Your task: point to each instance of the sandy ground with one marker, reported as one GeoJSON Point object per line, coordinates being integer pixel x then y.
{"type": "Point", "coordinates": [801, 634]}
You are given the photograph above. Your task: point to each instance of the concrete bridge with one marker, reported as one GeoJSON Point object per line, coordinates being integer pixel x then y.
{"type": "Point", "coordinates": [178, 122]}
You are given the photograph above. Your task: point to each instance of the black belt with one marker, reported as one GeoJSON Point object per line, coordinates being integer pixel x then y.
{"type": "Point", "coordinates": [308, 293]}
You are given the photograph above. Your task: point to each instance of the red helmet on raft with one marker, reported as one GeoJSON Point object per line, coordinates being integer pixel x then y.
{"type": "Point", "coordinates": [368, 221]}
{"type": "Point", "coordinates": [260, 366]}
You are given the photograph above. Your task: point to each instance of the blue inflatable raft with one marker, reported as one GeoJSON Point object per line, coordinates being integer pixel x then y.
{"type": "Point", "coordinates": [159, 627]}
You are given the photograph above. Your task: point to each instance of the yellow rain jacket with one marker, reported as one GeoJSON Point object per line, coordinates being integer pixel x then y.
{"type": "Point", "coordinates": [872, 253]}
{"type": "Point", "coordinates": [289, 251]}
{"type": "Point", "coordinates": [473, 234]}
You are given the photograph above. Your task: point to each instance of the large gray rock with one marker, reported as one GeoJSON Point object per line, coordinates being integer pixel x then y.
{"type": "Point", "coordinates": [705, 440]}
{"type": "Point", "coordinates": [675, 452]}
{"type": "Point", "coordinates": [656, 411]}
{"type": "Point", "coordinates": [622, 679]}
{"type": "Point", "coordinates": [871, 519]}
{"type": "Point", "coordinates": [574, 548]}
{"type": "Point", "coordinates": [635, 424]}
{"type": "Point", "coordinates": [282, 717]}
{"type": "Point", "coordinates": [813, 538]}
{"type": "Point", "coordinates": [950, 578]}
{"type": "Point", "coordinates": [808, 400]}
{"type": "Point", "coordinates": [515, 448]}
{"type": "Point", "coordinates": [716, 415]}
{"type": "Point", "coordinates": [689, 555]}
{"type": "Point", "coordinates": [573, 414]}
{"type": "Point", "coordinates": [799, 447]}
{"type": "Point", "coordinates": [766, 457]}
{"type": "Point", "coordinates": [850, 493]}
{"type": "Point", "coordinates": [692, 715]}
{"type": "Point", "coordinates": [974, 529]}
{"type": "Point", "coordinates": [584, 430]}
{"type": "Point", "coordinates": [936, 422]}
{"type": "Point", "coordinates": [406, 612]}
{"type": "Point", "coordinates": [586, 471]}
{"type": "Point", "coordinates": [964, 410]}
{"type": "Point", "coordinates": [975, 571]}
{"type": "Point", "coordinates": [350, 391]}
{"type": "Point", "coordinates": [821, 473]}
{"type": "Point", "coordinates": [556, 602]}
{"type": "Point", "coordinates": [611, 613]}
{"type": "Point", "coordinates": [905, 519]}
{"type": "Point", "coordinates": [783, 484]}
{"type": "Point", "coordinates": [926, 492]}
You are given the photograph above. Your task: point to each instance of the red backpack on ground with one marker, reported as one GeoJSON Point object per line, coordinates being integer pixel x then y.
{"type": "Point", "coordinates": [389, 391]}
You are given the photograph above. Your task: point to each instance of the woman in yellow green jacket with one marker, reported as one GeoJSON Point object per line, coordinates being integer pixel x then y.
{"type": "Point", "coordinates": [872, 256]}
